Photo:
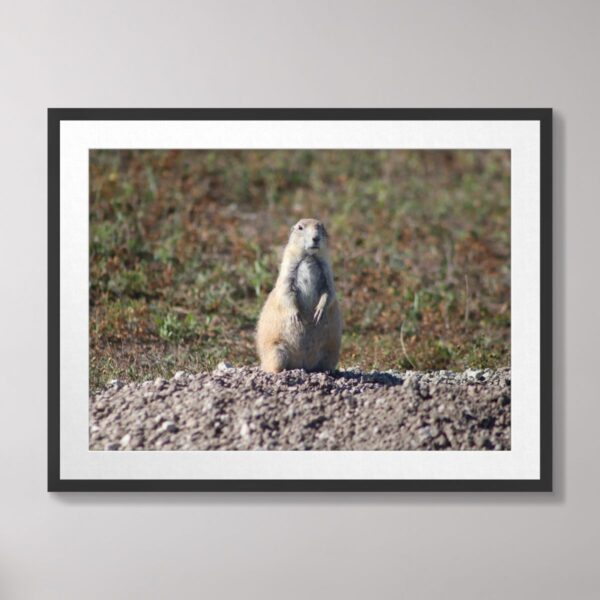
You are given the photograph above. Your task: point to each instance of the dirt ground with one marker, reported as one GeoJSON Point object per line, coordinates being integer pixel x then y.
{"type": "Point", "coordinates": [246, 409]}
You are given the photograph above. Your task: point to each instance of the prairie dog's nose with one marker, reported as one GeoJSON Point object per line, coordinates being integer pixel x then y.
{"type": "Point", "coordinates": [315, 238]}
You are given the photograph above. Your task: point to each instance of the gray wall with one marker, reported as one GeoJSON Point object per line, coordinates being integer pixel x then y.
{"type": "Point", "coordinates": [387, 54]}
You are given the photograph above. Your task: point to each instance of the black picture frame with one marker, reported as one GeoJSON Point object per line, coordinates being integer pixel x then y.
{"type": "Point", "coordinates": [58, 115]}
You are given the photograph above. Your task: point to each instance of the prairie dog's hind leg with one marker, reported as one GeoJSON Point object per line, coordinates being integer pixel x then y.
{"type": "Point", "coordinates": [274, 360]}
{"type": "Point", "coordinates": [326, 364]}
{"type": "Point", "coordinates": [330, 353]}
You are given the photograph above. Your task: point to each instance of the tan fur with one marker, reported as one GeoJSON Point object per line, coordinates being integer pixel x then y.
{"type": "Point", "coordinates": [300, 325]}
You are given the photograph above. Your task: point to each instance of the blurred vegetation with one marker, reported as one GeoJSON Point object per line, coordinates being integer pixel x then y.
{"type": "Point", "coordinates": [185, 245]}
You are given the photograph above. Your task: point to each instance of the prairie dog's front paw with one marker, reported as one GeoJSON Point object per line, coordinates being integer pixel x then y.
{"type": "Point", "coordinates": [320, 308]}
{"type": "Point", "coordinates": [295, 319]}
{"type": "Point", "coordinates": [318, 314]}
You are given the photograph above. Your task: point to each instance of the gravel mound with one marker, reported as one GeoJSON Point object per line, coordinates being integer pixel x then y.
{"type": "Point", "coordinates": [246, 409]}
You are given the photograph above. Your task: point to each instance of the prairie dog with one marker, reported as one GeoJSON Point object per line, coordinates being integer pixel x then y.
{"type": "Point", "coordinates": [300, 326]}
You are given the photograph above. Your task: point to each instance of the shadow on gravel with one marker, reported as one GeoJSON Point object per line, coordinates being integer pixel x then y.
{"type": "Point", "coordinates": [387, 379]}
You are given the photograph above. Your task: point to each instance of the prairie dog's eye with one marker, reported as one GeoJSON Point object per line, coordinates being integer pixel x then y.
{"type": "Point", "coordinates": [300, 227]}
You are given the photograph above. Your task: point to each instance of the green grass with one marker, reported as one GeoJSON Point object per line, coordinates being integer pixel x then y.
{"type": "Point", "coordinates": [184, 248]}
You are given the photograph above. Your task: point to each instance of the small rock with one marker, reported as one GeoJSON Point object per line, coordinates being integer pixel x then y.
{"type": "Point", "coordinates": [135, 442]}
{"type": "Point", "coordinates": [116, 383]}
{"type": "Point", "coordinates": [126, 439]}
{"type": "Point", "coordinates": [245, 430]}
{"type": "Point", "coordinates": [159, 382]}
{"type": "Point", "coordinates": [424, 432]}
{"type": "Point", "coordinates": [112, 446]}
{"type": "Point", "coordinates": [477, 374]}
{"type": "Point", "coordinates": [169, 426]}
{"type": "Point", "coordinates": [224, 366]}
{"type": "Point", "coordinates": [179, 375]}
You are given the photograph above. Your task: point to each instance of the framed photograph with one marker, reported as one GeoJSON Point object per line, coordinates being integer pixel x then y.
{"type": "Point", "coordinates": [300, 299]}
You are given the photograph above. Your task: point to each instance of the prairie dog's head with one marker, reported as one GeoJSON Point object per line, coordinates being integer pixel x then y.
{"type": "Point", "coordinates": [309, 236]}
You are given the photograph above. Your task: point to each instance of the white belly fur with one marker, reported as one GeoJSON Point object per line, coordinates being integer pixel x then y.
{"type": "Point", "coordinates": [309, 285]}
